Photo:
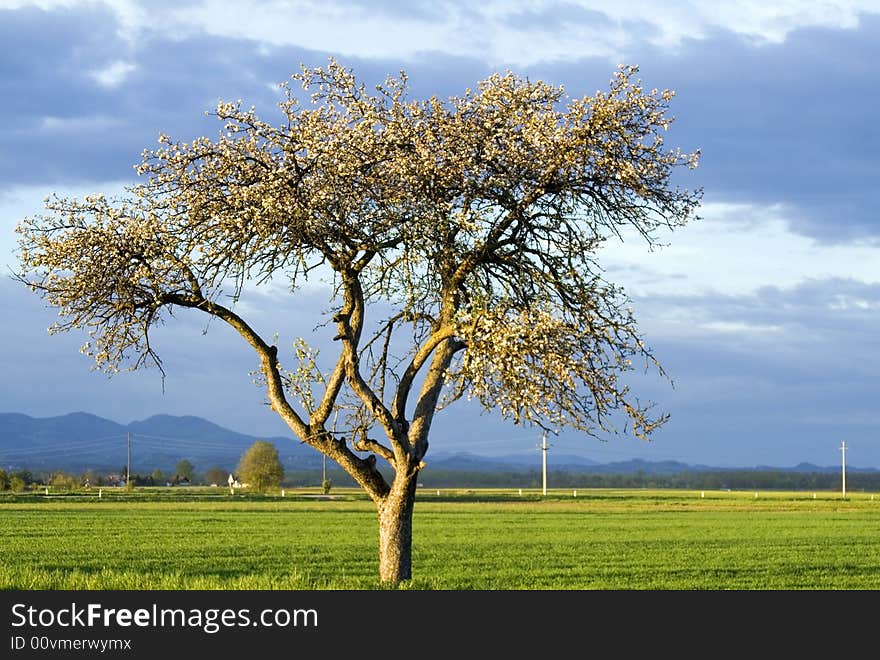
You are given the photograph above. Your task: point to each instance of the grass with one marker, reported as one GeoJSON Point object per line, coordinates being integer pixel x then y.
{"type": "Point", "coordinates": [163, 539]}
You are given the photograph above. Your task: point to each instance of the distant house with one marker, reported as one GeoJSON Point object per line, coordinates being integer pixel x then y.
{"type": "Point", "coordinates": [115, 480]}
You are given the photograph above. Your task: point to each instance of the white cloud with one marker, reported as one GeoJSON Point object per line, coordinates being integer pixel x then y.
{"type": "Point", "coordinates": [95, 123]}
{"type": "Point", "coordinates": [482, 31]}
{"type": "Point", "coordinates": [772, 21]}
{"type": "Point", "coordinates": [843, 303]}
{"type": "Point", "coordinates": [512, 32]}
{"type": "Point", "coordinates": [740, 327]}
{"type": "Point", "coordinates": [487, 31]}
{"type": "Point", "coordinates": [320, 26]}
{"type": "Point", "coordinates": [129, 13]}
{"type": "Point", "coordinates": [113, 74]}
{"type": "Point", "coordinates": [735, 249]}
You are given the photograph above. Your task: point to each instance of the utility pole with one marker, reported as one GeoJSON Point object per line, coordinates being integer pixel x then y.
{"type": "Point", "coordinates": [544, 460]}
{"type": "Point", "coordinates": [843, 467]}
{"type": "Point", "coordinates": [128, 468]}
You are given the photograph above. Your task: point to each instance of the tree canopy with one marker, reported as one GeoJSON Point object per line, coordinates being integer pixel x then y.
{"type": "Point", "coordinates": [185, 469]}
{"type": "Point", "coordinates": [468, 226]}
{"type": "Point", "coordinates": [259, 467]}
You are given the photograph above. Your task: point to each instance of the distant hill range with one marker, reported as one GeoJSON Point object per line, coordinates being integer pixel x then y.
{"type": "Point", "coordinates": [464, 461]}
{"type": "Point", "coordinates": [81, 441]}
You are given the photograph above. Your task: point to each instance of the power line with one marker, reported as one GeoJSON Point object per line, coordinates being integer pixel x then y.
{"type": "Point", "coordinates": [53, 450]}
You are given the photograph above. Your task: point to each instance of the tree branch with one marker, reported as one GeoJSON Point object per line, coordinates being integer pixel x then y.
{"type": "Point", "coordinates": [268, 358]}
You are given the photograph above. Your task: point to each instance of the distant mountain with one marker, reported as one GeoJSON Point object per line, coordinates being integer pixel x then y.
{"type": "Point", "coordinates": [80, 441]}
{"type": "Point", "coordinates": [468, 462]}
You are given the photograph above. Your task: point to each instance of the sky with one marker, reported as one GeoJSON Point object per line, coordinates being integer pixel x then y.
{"type": "Point", "coordinates": [764, 312]}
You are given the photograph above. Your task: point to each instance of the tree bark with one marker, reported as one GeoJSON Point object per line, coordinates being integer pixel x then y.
{"type": "Point", "coordinates": [395, 513]}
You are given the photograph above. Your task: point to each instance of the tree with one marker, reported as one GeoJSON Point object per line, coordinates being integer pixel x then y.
{"type": "Point", "coordinates": [216, 475]}
{"type": "Point", "coordinates": [457, 238]}
{"type": "Point", "coordinates": [64, 480]}
{"type": "Point", "coordinates": [260, 466]}
{"type": "Point", "coordinates": [184, 469]}
{"type": "Point", "coordinates": [20, 480]}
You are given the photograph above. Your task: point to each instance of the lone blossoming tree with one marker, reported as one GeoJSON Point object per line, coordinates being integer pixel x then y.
{"type": "Point", "coordinates": [458, 238]}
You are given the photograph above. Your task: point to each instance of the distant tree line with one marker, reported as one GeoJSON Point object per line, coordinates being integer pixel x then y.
{"type": "Point", "coordinates": [694, 480]}
{"type": "Point", "coordinates": [21, 480]}
{"type": "Point", "coordinates": [702, 480]}
{"type": "Point", "coordinates": [259, 466]}
{"type": "Point", "coordinates": [15, 481]}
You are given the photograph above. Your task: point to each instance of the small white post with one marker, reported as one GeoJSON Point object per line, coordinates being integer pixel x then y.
{"type": "Point", "coordinates": [574, 493]}
{"type": "Point", "coordinates": [843, 468]}
{"type": "Point", "coordinates": [520, 492]}
{"type": "Point", "coordinates": [47, 490]}
{"type": "Point", "coordinates": [282, 492]}
{"type": "Point", "coordinates": [438, 491]}
{"type": "Point", "coordinates": [702, 493]}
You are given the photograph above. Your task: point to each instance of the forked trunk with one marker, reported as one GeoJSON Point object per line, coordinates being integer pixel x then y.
{"type": "Point", "coordinates": [395, 531]}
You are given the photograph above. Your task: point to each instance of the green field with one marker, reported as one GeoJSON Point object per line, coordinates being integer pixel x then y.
{"type": "Point", "coordinates": [478, 539]}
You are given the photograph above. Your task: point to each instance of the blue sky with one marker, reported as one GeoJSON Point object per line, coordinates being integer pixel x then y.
{"type": "Point", "coordinates": [765, 312]}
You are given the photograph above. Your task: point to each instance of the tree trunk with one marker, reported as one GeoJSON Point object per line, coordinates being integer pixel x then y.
{"type": "Point", "coordinates": [395, 530]}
